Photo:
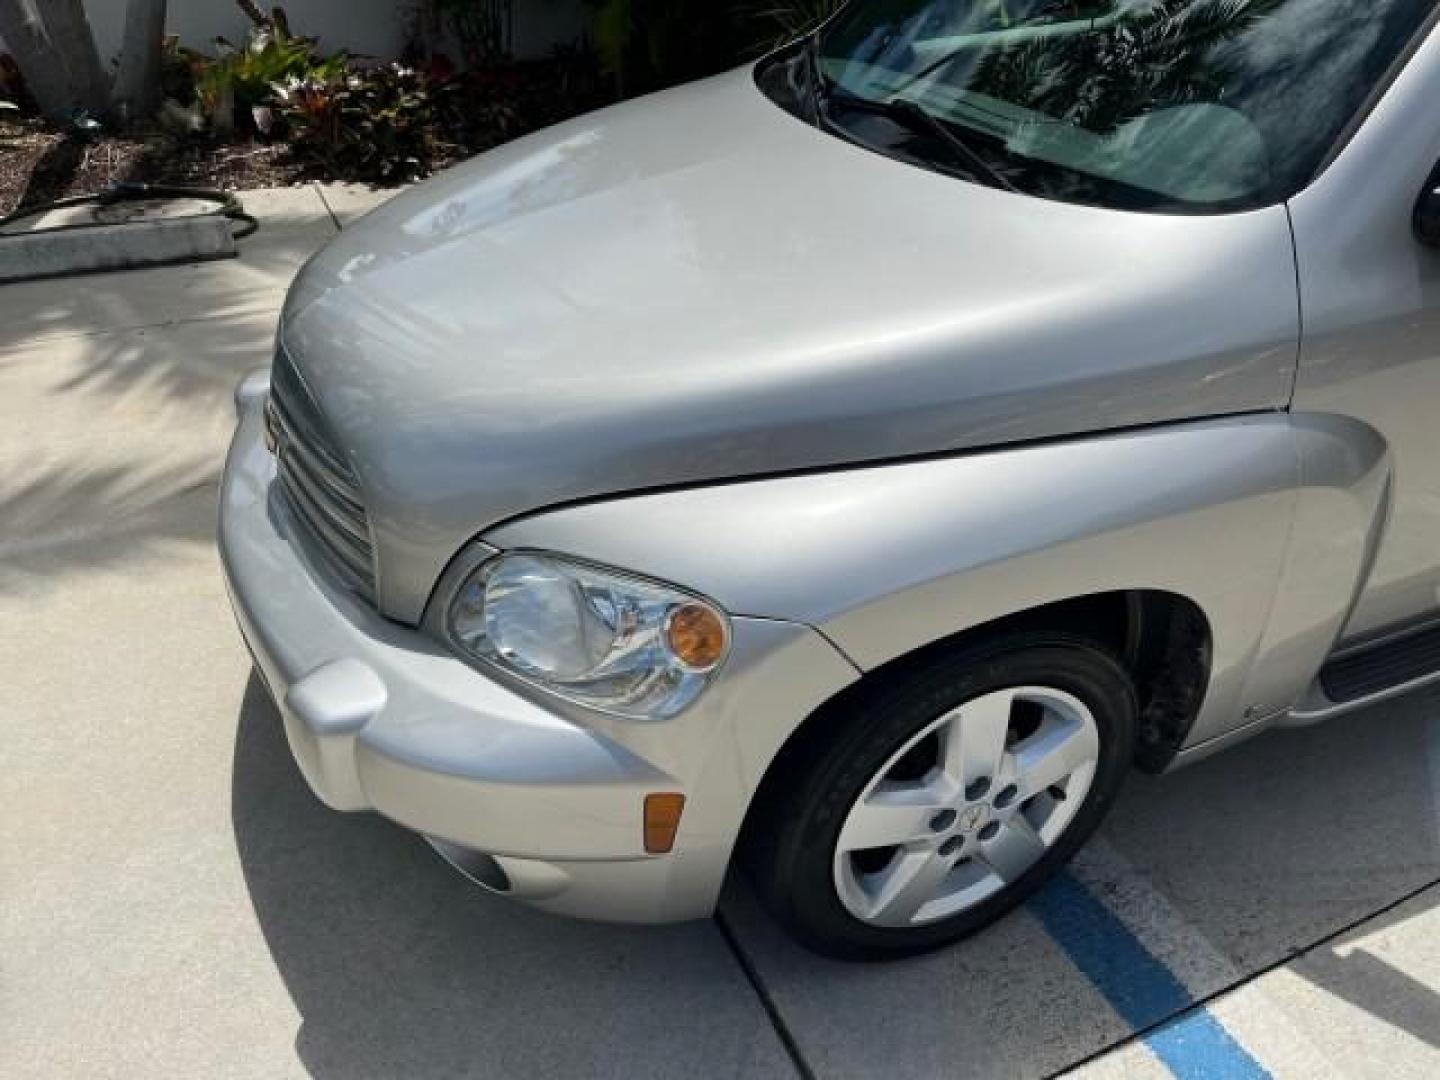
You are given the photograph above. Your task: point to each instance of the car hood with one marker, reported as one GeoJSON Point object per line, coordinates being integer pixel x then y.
{"type": "Point", "coordinates": [698, 286]}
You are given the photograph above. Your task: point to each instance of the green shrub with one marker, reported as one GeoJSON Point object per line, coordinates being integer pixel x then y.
{"type": "Point", "coordinates": [376, 125]}
{"type": "Point", "coordinates": [231, 85]}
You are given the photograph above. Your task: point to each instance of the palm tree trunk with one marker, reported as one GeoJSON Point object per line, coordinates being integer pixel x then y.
{"type": "Point", "coordinates": [137, 87]}
{"type": "Point", "coordinates": [74, 48]}
{"type": "Point", "coordinates": [29, 44]}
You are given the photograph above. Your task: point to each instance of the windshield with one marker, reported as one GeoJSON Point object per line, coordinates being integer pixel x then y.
{"type": "Point", "coordinates": [1191, 105]}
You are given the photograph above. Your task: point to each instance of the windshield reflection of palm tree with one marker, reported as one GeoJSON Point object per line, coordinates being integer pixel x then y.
{"type": "Point", "coordinates": [1101, 79]}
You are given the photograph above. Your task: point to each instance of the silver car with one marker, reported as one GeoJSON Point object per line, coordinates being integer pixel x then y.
{"type": "Point", "coordinates": [849, 468]}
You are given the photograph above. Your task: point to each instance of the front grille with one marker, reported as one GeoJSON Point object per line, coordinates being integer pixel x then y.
{"type": "Point", "coordinates": [317, 480]}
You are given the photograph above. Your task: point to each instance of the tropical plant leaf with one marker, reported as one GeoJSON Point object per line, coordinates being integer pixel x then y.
{"type": "Point", "coordinates": [770, 24]}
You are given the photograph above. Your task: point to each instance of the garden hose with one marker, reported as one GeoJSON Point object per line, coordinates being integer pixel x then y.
{"type": "Point", "coordinates": [129, 191]}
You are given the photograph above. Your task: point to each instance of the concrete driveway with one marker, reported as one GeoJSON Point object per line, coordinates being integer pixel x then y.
{"type": "Point", "coordinates": [174, 903]}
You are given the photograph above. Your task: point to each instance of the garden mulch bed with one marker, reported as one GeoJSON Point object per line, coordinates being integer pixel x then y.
{"type": "Point", "coordinates": [472, 113]}
{"type": "Point", "coordinates": [38, 165]}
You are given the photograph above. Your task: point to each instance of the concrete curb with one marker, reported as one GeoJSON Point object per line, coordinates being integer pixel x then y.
{"type": "Point", "coordinates": [49, 253]}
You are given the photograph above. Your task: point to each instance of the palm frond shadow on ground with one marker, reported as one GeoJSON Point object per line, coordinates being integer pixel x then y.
{"type": "Point", "coordinates": [202, 364]}
{"type": "Point", "coordinates": [64, 521]}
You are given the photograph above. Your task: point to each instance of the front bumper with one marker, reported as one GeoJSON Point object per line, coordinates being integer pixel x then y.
{"type": "Point", "coordinates": [381, 717]}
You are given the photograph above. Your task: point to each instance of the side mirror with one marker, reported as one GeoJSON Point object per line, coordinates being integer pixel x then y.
{"type": "Point", "coordinates": [1427, 211]}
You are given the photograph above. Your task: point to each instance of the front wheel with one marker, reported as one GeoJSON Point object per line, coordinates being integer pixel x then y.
{"type": "Point", "coordinates": [946, 794]}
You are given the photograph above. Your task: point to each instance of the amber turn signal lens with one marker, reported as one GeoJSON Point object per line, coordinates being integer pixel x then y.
{"type": "Point", "coordinates": [697, 636]}
{"type": "Point", "coordinates": [662, 821]}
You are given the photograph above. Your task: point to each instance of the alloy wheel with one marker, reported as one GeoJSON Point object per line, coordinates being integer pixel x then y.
{"type": "Point", "coordinates": [966, 807]}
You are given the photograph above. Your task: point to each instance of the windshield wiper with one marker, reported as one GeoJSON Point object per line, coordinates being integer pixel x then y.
{"type": "Point", "coordinates": [908, 114]}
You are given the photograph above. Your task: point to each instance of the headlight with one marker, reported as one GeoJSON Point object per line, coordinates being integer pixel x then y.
{"type": "Point", "coordinates": [595, 636]}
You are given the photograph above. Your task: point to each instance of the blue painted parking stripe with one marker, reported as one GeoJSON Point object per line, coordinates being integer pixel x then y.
{"type": "Point", "coordinates": [1141, 989]}
{"type": "Point", "coordinates": [1196, 1044]}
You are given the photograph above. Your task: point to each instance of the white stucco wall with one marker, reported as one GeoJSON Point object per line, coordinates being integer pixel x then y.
{"type": "Point", "coordinates": [373, 27]}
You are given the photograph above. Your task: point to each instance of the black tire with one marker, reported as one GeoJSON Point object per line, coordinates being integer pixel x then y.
{"type": "Point", "coordinates": [790, 851]}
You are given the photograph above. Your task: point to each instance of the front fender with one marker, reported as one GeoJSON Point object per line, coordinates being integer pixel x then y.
{"type": "Point", "coordinates": [886, 559]}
